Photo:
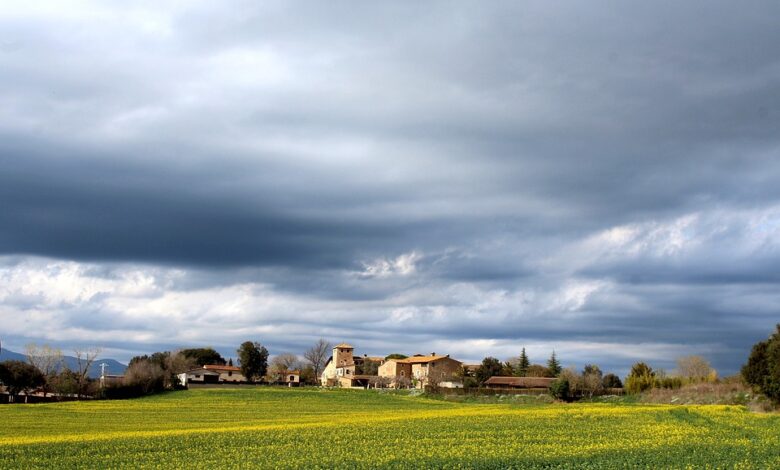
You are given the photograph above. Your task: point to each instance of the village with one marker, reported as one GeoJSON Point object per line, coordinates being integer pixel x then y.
{"type": "Point", "coordinates": [345, 369]}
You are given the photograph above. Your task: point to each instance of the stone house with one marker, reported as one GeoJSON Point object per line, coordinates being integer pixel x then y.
{"type": "Point", "coordinates": [427, 370]}
{"type": "Point", "coordinates": [291, 378]}
{"type": "Point", "coordinates": [344, 369]}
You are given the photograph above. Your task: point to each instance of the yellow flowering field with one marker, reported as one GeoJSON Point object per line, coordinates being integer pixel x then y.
{"type": "Point", "coordinates": [311, 428]}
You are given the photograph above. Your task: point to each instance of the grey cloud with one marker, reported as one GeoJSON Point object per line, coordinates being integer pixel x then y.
{"type": "Point", "coordinates": [289, 145]}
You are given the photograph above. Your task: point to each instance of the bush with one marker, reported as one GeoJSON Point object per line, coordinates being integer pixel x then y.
{"type": "Point", "coordinates": [611, 381]}
{"type": "Point", "coordinates": [762, 370]}
{"type": "Point", "coordinates": [559, 389]}
{"type": "Point", "coordinates": [641, 378]}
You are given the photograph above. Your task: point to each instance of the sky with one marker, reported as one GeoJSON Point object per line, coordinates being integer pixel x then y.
{"type": "Point", "coordinates": [453, 177]}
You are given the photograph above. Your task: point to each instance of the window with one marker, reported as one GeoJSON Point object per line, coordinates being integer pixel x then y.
{"type": "Point", "coordinates": [292, 378]}
{"type": "Point", "coordinates": [230, 373]}
{"type": "Point", "coordinates": [403, 373]}
{"type": "Point", "coordinates": [197, 376]}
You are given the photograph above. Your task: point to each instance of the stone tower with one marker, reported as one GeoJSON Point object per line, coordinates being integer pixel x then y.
{"type": "Point", "coordinates": [342, 354]}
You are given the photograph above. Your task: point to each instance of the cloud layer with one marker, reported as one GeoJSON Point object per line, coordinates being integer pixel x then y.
{"type": "Point", "coordinates": [604, 182]}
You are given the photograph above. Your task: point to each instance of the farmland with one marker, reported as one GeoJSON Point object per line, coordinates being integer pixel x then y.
{"type": "Point", "coordinates": [270, 427]}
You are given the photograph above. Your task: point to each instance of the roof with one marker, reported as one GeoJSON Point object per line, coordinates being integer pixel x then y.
{"type": "Point", "coordinates": [202, 371]}
{"type": "Point", "coordinates": [424, 359]}
{"type": "Point", "coordinates": [220, 367]}
{"type": "Point", "coordinates": [344, 345]}
{"type": "Point", "coordinates": [521, 382]}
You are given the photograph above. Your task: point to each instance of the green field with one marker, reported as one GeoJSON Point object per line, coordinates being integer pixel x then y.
{"type": "Point", "coordinates": [266, 427]}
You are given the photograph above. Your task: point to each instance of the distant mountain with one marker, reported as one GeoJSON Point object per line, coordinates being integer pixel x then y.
{"type": "Point", "coordinates": [113, 367]}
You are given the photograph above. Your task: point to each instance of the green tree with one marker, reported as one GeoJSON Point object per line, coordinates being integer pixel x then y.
{"type": "Point", "coordinates": [611, 381]}
{"type": "Point", "coordinates": [18, 376]}
{"type": "Point", "coordinates": [523, 364]}
{"type": "Point", "coordinates": [204, 356]}
{"type": "Point", "coordinates": [253, 359]}
{"type": "Point", "coordinates": [762, 370]}
{"type": "Point", "coordinates": [490, 367]}
{"type": "Point", "coordinates": [395, 356]}
{"type": "Point", "coordinates": [559, 389]}
{"type": "Point", "coordinates": [641, 378]}
{"type": "Point", "coordinates": [554, 366]}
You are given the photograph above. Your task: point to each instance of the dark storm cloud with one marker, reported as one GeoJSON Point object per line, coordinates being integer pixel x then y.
{"type": "Point", "coordinates": [513, 171]}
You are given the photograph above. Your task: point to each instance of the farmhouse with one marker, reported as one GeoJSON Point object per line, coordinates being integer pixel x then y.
{"type": "Point", "coordinates": [291, 378]}
{"type": "Point", "coordinates": [343, 369]}
{"type": "Point", "coordinates": [346, 370]}
{"type": "Point", "coordinates": [227, 374]}
{"type": "Point", "coordinates": [212, 374]}
{"type": "Point", "coordinates": [199, 376]}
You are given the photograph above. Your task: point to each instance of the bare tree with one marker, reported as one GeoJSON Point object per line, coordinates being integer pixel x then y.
{"type": "Point", "coordinates": [84, 359]}
{"type": "Point", "coordinates": [694, 368]}
{"type": "Point", "coordinates": [592, 380]}
{"type": "Point", "coordinates": [175, 364]}
{"type": "Point", "coordinates": [379, 381]}
{"type": "Point", "coordinates": [317, 355]}
{"type": "Point", "coordinates": [46, 359]}
{"type": "Point", "coordinates": [284, 362]}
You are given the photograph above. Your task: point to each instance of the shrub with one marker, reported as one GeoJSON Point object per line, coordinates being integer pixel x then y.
{"type": "Point", "coordinates": [559, 389]}
{"type": "Point", "coordinates": [762, 370]}
{"type": "Point", "coordinates": [611, 381]}
{"type": "Point", "coordinates": [641, 378]}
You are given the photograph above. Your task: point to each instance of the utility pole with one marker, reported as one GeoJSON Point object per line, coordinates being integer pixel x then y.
{"type": "Point", "coordinates": [103, 366]}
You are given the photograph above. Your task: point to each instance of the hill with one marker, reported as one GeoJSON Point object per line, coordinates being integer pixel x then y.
{"type": "Point", "coordinates": [113, 367]}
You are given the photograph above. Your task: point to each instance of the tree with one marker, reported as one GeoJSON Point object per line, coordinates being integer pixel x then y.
{"type": "Point", "coordinates": [559, 389]}
{"type": "Point", "coordinates": [522, 364]}
{"type": "Point", "coordinates": [84, 359]}
{"type": "Point", "coordinates": [366, 367]}
{"type": "Point", "coordinates": [395, 356]}
{"type": "Point", "coordinates": [611, 381]}
{"type": "Point", "coordinates": [694, 369]}
{"type": "Point", "coordinates": [507, 369]}
{"type": "Point", "coordinates": [18, 376]}
{"type": "Point", "coordinates": [762, 370]}
{"type": "Point", "coordinates": [253, 358]}
{"type": "Point", "coordinates": [284, 362]}
{"type": "Point", "coordinates": [146, 375]}
{"type": "Point", "coordinates": [553, 365]}
{"type": "Point", "coordinates": [46, 359]}
{"type": "Point", "coordinates": [170, 363]}
{"type": "Point", "coordinates": [317, 355]}
{"type": "Point", "coordinates": [230, 362]}
{"type": "Point", "coordinates": [204, 356]}
{"type": "Point", "coordinates": [641, 378]}
{"type": "Point", "coordinates": [490, 367]}
{"type": "Point", "coordinates": [538, 370]}
{"type": "Point", "coordinates": [574, 379]}
{"type": "Point", "coordinates": [308, 376]}
{"type": "Point", "coordinates": [592, 380]}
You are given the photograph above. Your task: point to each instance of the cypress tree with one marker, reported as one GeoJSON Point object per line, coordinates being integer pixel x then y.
{"type": "Point", "coordinates": [523, 364]}
{"type": "Point", "coordinates": [554, 365]}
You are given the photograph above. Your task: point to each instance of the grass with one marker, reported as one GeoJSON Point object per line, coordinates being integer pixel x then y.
{"type": "Point", "coordinates": [267, 427]}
